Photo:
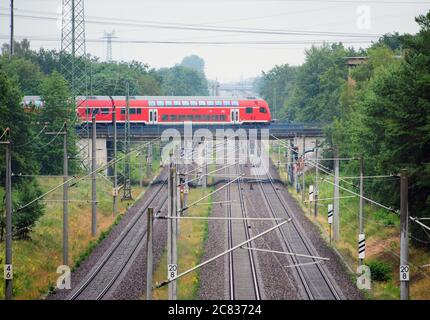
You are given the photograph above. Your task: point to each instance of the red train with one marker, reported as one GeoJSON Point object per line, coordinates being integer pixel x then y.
{"type": "Point", "coordinates": [170, 110]}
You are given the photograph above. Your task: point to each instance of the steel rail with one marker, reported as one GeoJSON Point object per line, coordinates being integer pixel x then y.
{"type": "Point", "coordinates": [119, 240]}
{"type": "Point", "coordinates": [308, 246]}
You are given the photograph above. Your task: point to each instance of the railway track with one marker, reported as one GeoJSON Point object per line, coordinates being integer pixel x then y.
{"type": "Point", "coordinates": [243, 281]}
{"type": "Point", "coordinates": [109, 268]}
{"type": "Point", "coordinates": [313, 277]}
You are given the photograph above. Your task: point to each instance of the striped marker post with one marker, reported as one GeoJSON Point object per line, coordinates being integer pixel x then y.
{"type": "Point", "coordinates": [330, 213]}
{"type": "Point", "coordinates": [311, 197]}
{"type": "Point", "coordinates": [330, 218]}
{"type": "Point", "coordinates": [361, 246]}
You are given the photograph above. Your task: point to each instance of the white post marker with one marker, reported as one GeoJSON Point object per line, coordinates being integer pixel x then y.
{"type": "Point", "coordinates": [330, 213]}
{"type": "Point", "coordinates": [172, 271]}
{"type": "Point", "coordinates": [404, 273]}
{"type": "Point", "coordinates": [311, 193]}
{"type": "Point", "coordinates": [8, 272]}
{"type": "Point", "coordinates": [361, 246]}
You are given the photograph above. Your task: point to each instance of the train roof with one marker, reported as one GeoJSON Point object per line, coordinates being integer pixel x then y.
{"type": "Point", "coordinates": [165, 98]}
{"type": "Point", "coordinates": [37, 98]}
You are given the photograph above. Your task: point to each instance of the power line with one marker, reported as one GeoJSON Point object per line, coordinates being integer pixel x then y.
{"type": "Point", "coordinates": [201, 27]}
{"type": "Point", "coordinates": [131, 41]}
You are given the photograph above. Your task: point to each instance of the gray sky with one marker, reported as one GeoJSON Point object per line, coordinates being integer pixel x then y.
{"type": "Point", "coordinates": [226, 62]}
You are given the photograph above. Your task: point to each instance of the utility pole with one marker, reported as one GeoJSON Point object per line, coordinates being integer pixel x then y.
{"type": "Point", "coordinates": [149, 239]}
{"type": "Point", "coordinates": [109, 36]}
{"type": "Point", "coordinates": [404, 251]}
{"type": "Point", "coordinates": [65, 195]}
{"type": "Point", "coordinates": [303, 169]}
{"type": "Point", "coordinates": [93, 177]}
{"type": "Point", "coordinates": [149, 161]}
{"type": "Point", "coordinates": [127, 179]}
{"type": "Point", "coordinates": [8, 267]}
{"type": "Point", "coordinates": [171, 241]}
{"type": "Point", "coordinates": [115, 150]}
{"type": "Point", "coordinates": [316, 180]}
{"type": "Point", "coordinates": [205, 166]}
{"type": "Point", "coordinates": [73, 48]}
{"type": "Point", "coordinates": [336, 218]}
{"type": "Point", "coordinates": [361, 226]}
{"type": "Point", "coordinates": [65, 200]}
{"type": "Point", "coordinates": [11, 45]}
{"type": "Point", "coordinates": [274, 103]}
{"type": "Point", "coordinates": [141, 168]}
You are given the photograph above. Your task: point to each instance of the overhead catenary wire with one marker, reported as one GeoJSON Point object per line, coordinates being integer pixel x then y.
{"type": "Point", "coordinates": [425, 227]}
{"type": "Point", "coordinates": [32, 140]}
{"type": "Point", "coordinates": [78, 179]}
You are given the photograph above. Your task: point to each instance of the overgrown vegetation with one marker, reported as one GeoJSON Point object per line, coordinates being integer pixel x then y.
{"type": "Point", "coordinates": [380, 270]}
{"type": "Point", "coordinates": [380, 110]}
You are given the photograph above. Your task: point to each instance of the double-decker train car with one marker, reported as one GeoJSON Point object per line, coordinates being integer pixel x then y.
{"type": "Point", "coordinates": [167, 110]}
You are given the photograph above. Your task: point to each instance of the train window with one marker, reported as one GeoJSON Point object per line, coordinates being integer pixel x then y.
{"type": "Point", "coordinates": [105, 110]}
{"type": "Point", "coordinates": [164, 117]}
{"type": "Point", "coordinates": [176, 103]}
{"type": "Point", "coordinates": [202, 103]}
{"type": "Point", "coordinates": [193, 103]}
{"type": "Point", "coordinates": [235, 103]}
{"type": "Point", "coordinates": [215, 117]}
{"type": "Point", "coordinates": [181, 117]}
{"type": "Point", "coordinates": [132, 110]}
{"type": "Point", "coordinates": [198, 117]}
{"type": "Point", "coordinates": [211, 103]}
{"type": "Point", "coordinates": [248, 110]}
{"type": "Point", "coordinates": [123, 111]}
{"type": "Point", "coordinates": [222, 117]}
{"type": "Point", "coordinates": [160, 103]}
{"type": "Point", "coordinates": [139, 111]}
{"type": "Point", "coordinates": [263, 110]}
{"type": "Point", "coordinates": [88, 111]}
{"type": "Point", "coordinates": [151, 103]}
{"type": "Point", "coordinates": [226, 103]}
{"type": "Point", "coordinates": [206, 117]}
{"type": "Point", "coordinates": [168, 103]}
{"type": "Point", "coordinates": [190, 117]}
{"type": "Point", "coordinates": [185, 103]}
{"type": "Point", "coordinates": [173, 117]}
{"type": "Point", "coordinates": [218, 103]}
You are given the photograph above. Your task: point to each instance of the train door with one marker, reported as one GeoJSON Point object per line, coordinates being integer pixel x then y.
{"type": "Point", "coordinates": [234, 115]}
{"type": "Point", "coordinates": [153, 116]}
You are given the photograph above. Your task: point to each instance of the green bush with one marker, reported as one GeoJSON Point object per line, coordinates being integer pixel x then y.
{"type": "Point", "coordinates": [380, 270]}
{"type": "Point", "coordinates": [386, 218]}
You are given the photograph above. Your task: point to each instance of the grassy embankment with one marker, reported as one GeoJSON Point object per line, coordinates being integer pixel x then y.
{"type": "Point", "coordinates": [35, 261]}
{"type": "Point", "coordinates": [382, 241]}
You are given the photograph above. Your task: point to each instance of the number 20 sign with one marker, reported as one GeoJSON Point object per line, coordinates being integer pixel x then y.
{"type": "Point", "coordinates": [172, 271]}
{"type": "Point", "coordinates": [404, 273]}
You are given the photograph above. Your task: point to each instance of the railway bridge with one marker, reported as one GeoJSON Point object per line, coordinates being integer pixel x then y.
{"type": "Point", "coordinates": [139, 132]}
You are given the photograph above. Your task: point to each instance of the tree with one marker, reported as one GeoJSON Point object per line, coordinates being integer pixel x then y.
{"type": "Point", "coordinates": [194, 62]}
{"type": "Point", "coordinates": [182, 81]}
{"type": "Point", "coordinates": [20, 49]}
{"type": "Point", "coordinates": [57, 110]}
{"type": "Point", "coordinates": [277, 84]}
{"type": "Point", "coordinates": [315, 96]}
{"type": "Point", "coordinates": [28, 75]}
{"type": "Point", "coordinates": [389, 121]}
{"type": "Point", "coordinates": [21, 123]}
